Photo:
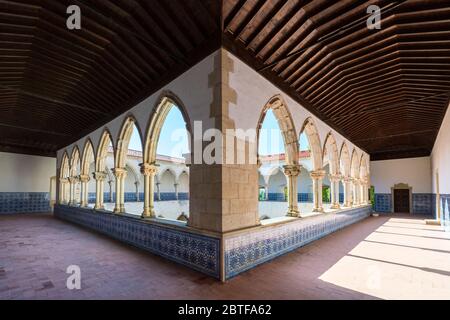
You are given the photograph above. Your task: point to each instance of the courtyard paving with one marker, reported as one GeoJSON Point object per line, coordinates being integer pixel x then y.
{"type": "Point", "coordinates": [386, 257]}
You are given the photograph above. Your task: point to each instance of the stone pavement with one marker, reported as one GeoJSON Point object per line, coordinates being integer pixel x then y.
{"type": "Point", "coordinates": [391, 257]}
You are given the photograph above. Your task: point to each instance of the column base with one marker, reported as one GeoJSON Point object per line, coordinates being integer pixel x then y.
{"type": "Point", "coordinates": [293, 214]}
{"type": "Point", "coordinates": [147, 214]}
{"type": "Point", "coordinates": [433, 222]}
{"type": "Point", "coordinates": [335, 206]}
{"type": "Point", "coordinates": [117, 210]}
{"type": "Point", "coordinates": [319, 210]}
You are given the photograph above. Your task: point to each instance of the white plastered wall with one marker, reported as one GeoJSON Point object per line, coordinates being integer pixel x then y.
{"type": "Point", "coordinates": [26, 173]}
{"type": "Point", "coordinates": [440, 157]}
{"type": "Point", "coordinates": [416, 172]}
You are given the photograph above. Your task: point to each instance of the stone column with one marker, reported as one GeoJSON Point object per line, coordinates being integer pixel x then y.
{"type": "Point", "coordinates": [266, 192]}
{"type": "Point", "coordinates": [137, 190]}
{"type": "Point", "coordinates": [347, 191]}
{"type": "Point", "coordinates": [317, 177]}
{"type": "Point", "coordinates": [362, 192]}
{"type": "Point", "coordinates": [62, 190]}
{"type": "Point", "coordinates": [72, 182]}
{"type": "Point", "coordinates": [99, 185]}
{"type": "Point", "coordinates": [176, 190]}
{"type": "Point", "coordinates": [110, 184]}
{"type": "Point", "coordinates": [356, 192]}
{"type": "Point", "coordinates": [149, 171]}
{"type": "Point", "coordinates": [334, 181]}
{"type": "Point", "coordinates": [120, 174]}
{"type": "Point", "coordinates": [84, 179]}
{"type": "Point", "coordinates": [292, 172]}
{"type": "Point", "coordinates": [158, 193]}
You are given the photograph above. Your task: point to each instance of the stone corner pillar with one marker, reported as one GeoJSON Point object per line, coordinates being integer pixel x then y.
{"type": "Point", "coordinates": [317, 177]}
{"type": "Point", "coordinates": [149, 172]}
{"type": "Point", "coordinates": [292, 172]}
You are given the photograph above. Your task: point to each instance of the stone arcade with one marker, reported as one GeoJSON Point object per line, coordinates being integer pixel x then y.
{"type": "Point", "coordinates": [147, 122]}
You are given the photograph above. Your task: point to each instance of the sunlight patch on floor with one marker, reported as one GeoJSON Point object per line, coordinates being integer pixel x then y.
{"type": "Point", "coordinates": [402, 259]}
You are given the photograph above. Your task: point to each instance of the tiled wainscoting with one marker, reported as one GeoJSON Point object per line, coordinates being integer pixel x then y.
{"type": "Point", "coordinates": [196, 251]}
{"type": "Point", "coordinates": [422, 203]}
{"type": "Point", "coordinates": [301, 197]}
{"type": "Point", "coordinates": [249, 249]}
{"type": "Point", "coordinates": [23, 202]}
{"type": "Point", "coordinates": [132, 196]}
{"type": "Point", "coordinates": [240, 251]}
{"type": "Point", "coordinates": [383, 202]}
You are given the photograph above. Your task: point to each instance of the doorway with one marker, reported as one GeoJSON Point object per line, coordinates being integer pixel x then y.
{"type": "Point", "coordinates": [401, 201]}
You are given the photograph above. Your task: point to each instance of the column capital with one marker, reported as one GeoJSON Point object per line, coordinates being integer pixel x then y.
{"type": "Point", "coordinates": [84, 178]}
{"type": "Point", "coordinates": [317, 174]}
{"type": "Point", "coordinates": [292, 170]}
{"type": "Point", "coordinates": [347, 179]}
{"type": "Point", "coordinates": [148, 169]}
{"type": "Point", "coordinates": [99, 175]}
{"type": "Point", "coordinates": [63, 180]}
{"type": "Point", "coordinates": [73, 179]}
{"type": "Point", "coordinates": [119, 172]}
{"type": "Point", "coordinates": [335, 177]}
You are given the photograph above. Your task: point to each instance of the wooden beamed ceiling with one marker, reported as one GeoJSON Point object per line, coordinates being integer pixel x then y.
{"type": "Point", "coordinates": [386, 90]}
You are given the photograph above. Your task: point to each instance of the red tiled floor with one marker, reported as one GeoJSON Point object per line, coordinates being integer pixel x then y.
{"type": "Point", "coordinates": [383, 257]}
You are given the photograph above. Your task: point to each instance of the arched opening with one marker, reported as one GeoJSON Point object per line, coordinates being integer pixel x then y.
{"type": "Point", "coordinates": [166, 153]}
{"type": "Point", "coordinates": [74, 179]}
{"type": "Point", "coordinates": [64, 175]}
{"type": "Point", "coordinates": [311, 148]}
{"type": "Point", "coordinates": [129, 156]}
{"type": "Point", "coordinates": [277, 145]}
{"type": "Point", "coordinates": [86, 177]}
{"type": "Point", "coordinates": [104, 160]}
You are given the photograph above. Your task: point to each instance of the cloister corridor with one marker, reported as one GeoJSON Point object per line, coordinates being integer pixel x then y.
{"type": "Point", "coordinates": [385, 257]}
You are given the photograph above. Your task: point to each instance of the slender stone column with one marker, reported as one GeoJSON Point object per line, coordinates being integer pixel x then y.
{"type": "Point", "coordinates": [362, 192]}
{"type": "Point", "coordinates": [266, 192]}
{"type": "Point", "coordinates": [317, 177]}
{"type": "Point", "coordinates": [62, 190]}
{"type": "Point", "coordinates": [149, 171]}
{"type": "Point", "coordinates": [110, 184]}
{"type": "Point", "coordinates": [356, 184]}
{"type": "Point", "coordinates": [120, 174]}
{"type": "Point", "coordinates": [84, 179]}
{"type": "Point", "coordinates": [176, 190]}
{"type": "Point", "coordinates": [72, 182]}
{"type": "Point", "coordinates": [347, 192]}
{"type": "Point", "coordinates": [334, 181]}
{"type": "Point", "coordinates": [158, 192]}
{"type": "Point", "coordinates": [99, 185]}
{"type": "Point", "coordinates": [292, 172]}
{"type": "Point", "coordinates": [137, 190]}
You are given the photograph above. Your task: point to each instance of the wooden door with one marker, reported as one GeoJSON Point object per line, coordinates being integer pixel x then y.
{"type": "Point", "coordinates": [401, 200]}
